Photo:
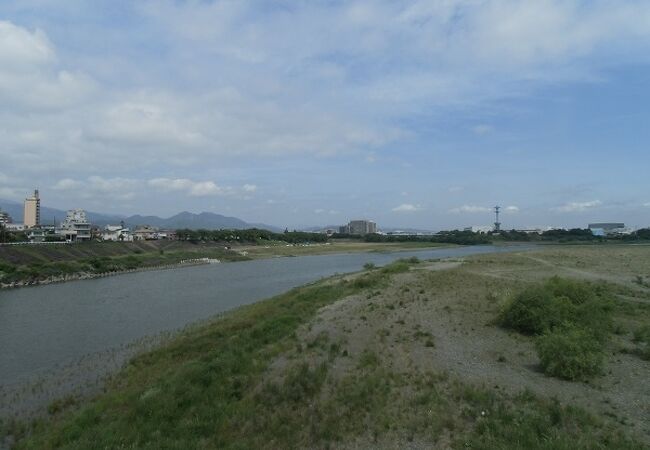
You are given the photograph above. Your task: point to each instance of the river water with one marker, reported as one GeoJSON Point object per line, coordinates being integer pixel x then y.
{"type": "Point", "coordinates": [45, 327]}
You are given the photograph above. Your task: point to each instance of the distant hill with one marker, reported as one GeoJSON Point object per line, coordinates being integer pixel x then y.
{"type": "Point", "coordinates": [184, 219]}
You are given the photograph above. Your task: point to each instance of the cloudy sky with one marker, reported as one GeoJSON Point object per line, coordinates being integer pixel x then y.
{"type": "Point", "coordinates": [412, 113]}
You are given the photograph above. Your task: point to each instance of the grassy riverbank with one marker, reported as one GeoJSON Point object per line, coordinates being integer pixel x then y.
{"type": "Point", "coordinates": [334, 246]}
{"type": "Point", "coordinates": [411, 355]}
{"type": "Point", "coordinates": [39, 263]}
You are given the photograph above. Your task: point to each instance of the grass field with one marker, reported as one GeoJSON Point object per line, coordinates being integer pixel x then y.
{"type": "Point", "coordinates": [409, 356]}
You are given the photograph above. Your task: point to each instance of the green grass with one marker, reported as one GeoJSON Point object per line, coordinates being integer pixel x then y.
{"type": "Point", "coordinates": [642, 339]}
{"type": "Point", "coordinates": [195, 391]}
{"type": "Point", "coordinates": [572, 320]}
{"type": "Point", "coordinates": [528, 422]}
{"type": "Point", "coordinates": [42, 263]}
{"type": "Point", "coordinates": [213, 387]}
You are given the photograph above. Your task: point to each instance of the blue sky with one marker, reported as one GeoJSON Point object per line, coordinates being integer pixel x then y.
{"type": "Point", "coordinates": [412, 113]}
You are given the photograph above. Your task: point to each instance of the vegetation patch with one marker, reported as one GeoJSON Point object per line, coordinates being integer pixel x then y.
{"type": "Point", "coordinates": [572, 320]}
{"type": "Point", "coordinates": [570, 352]}
{"type": "Point", "coordinates": [642, 339]}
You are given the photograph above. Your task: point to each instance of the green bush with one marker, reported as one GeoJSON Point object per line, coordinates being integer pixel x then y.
{"type": "Point", "coordinates": [541, 308]}
{"type": "Point", "coordinates": [572, 320]}
{"type": "Point", "coordinates": [570, 352]}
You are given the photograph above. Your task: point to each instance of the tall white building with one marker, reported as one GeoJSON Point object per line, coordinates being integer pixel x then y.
{"type": "Point", "coordinates": [32, 217]}
{"type": "Point", "coordinates": [76, 226]}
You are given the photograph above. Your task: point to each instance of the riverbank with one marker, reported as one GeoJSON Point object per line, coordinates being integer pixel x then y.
{"type": "Point", "coordinates": [402, 357]}
{"type": "Point", "coordinates": [92, 275]}
{"type": "Point", "coordinates": [32, 265]}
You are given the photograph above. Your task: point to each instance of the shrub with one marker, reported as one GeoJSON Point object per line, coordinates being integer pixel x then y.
{"type": "Point", "coordinates": [570, 352]}
{"type": "Point", "coordinates": [573, 320]}
{"type": "Point", "coordinates": [369, 266]}
{"type": "Point", "coordinates": [541, 308]}
{"type": "Point", "coordinates": [536, 310]}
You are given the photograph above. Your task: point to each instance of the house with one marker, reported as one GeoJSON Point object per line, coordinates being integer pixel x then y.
{"type": "Point", "coordinates": [116, 233]}
{"type": "Point", "coordinates": [145, 233]}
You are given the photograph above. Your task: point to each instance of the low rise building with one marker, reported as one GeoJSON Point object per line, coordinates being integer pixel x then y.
{"type": "Point", "coordinates": [145, 233]}
{"type": "Point", "coordinates": [116, 233]}
{"type": "Point", "coordinates": [76, 226]}
{"type": "Point", "coordinates": [605, 228]}
{"type": "Point", "coordinates": [15, 226]}
{"type": "Point", "coordinates": [5, 218]}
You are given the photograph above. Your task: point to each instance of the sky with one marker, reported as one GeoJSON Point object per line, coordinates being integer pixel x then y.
{"type": "Point", "coordinates": [420, 114]}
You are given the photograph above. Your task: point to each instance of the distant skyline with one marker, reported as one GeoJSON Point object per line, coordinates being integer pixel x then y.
{"type": "Point", "coordinates": [415, 114]}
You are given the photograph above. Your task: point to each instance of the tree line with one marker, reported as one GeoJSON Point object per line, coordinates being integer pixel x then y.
{"type": "Point", "coordinates": [252, 235]}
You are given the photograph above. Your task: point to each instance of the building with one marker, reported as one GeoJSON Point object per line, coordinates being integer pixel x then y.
{"type": "Point", "coordinates": [117, 233]}
{"type": "Point", "coordinates": [76, 226]}
{"type": "Point", "coordinates": [359, 227]}
{"type": "Point", "coordinates": [5, 219]}
{"type": "Point", "coordinates": [32, 217]}
{"type": "Point", "coordinates": [605, 228]}
{"type": "Point", "coordinates": [15, 226]}
{"type": "Point", "coordinates": [145, 233]}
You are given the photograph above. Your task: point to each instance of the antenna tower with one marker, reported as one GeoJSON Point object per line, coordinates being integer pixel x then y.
{"type": "Point", "coordinates": [497, 224]}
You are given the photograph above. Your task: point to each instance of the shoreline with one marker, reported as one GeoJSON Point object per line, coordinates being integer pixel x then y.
{"type": "Point", "coordinates": [89, 276]}
{"type": "Point", "coordinates": [244, 252]}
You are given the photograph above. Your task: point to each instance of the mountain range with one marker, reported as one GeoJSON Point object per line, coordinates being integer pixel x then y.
{"type": "Point", "coordinates": [205, 220]}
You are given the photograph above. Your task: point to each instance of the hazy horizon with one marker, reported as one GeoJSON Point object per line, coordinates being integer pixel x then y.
{"type": "Point", "coordinates": [413, 114]}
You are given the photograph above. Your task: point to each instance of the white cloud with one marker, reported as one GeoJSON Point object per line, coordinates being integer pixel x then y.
{"type": "Point", "coordinates": [21, 48]}
{"type": "Point", "coordinates": [407, 207]}
{"type": "Point", "coordinates": [577, 206]}
{"type": "Point", "coordinates": [95, 188]}
{"type": "Point", "coordinates": [511, 209]}
{"type": "Point", "coordinates": [249, 188]}
{"type": "Point", "coordinates": [30, 79]}
{"type": "Point", "coordinates": [110, 185]}
{"type": "Point", "coordinates": [192, 188]}
{"type": "Point", "coordinates": [332, 212]}
{"type": "Point", "coordinates": [647, 205]}
{"type": "Point", "coordinates": [482, 129]}
{"type": "Point", "coordinates": [67, 184]}
{"type": "Point", "coordinates": [471, 209]}
{"type": "Point", "coordinates": [455, 189]}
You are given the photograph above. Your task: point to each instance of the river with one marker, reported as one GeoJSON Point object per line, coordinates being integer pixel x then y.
{"type": "Point", "coordinates": [46, 328]}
